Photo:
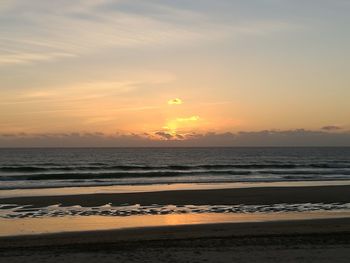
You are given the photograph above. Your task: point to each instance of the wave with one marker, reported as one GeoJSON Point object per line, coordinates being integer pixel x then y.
{"type": "Point", "coordinates": [116, 175]}
{"type": "Point", "coordinates": [210, 167]}
{"type": "Point", "coordinates": [306, 172]}
{"type": "Point", "coordinates": [233, 174]}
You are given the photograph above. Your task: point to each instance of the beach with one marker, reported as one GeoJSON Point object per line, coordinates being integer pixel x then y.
{"type": "Point", "coordinates": [288, 236]}
{"type": "Point", "coordinates": [289, 241]}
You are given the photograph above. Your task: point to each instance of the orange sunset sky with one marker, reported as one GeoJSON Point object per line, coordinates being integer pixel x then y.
{"type": "Point", "coordinates": [171, 69]}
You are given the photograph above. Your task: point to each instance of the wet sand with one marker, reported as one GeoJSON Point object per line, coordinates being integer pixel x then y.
{"type": "Point", "coordinates": [117, 189]}
{"type": "Point", "coordinates": [324, 240]}
{"type": "Point", "coordinates": [263, 196]}
{"type": "Point", "coordinates": [316, 240]}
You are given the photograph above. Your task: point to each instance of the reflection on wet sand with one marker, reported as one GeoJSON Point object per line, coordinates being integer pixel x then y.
{"type": "Point", "coordinates": [28, 226]}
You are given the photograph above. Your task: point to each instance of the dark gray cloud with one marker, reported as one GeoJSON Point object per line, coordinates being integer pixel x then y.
{"type": "Point", "coordinates": [298, 137]}
{"type": "Point", "coordinates": [331, 128]}
{"type": "Point", "coordinates": [164, 135]}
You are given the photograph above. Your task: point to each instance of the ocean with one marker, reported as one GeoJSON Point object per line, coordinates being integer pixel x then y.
{"type": "Point", "coordinates": [78, 167]}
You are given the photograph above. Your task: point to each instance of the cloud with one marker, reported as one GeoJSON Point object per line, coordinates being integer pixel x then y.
{"type": "Point", "coordinates": [174, 125]}
{"type": "Point", "coordinates": [78, 28]}
{"type": "Point", "coordinates": [29, 57]}
{"type": "Point", "coordinates": [164, 135]}
{"type": "Point", "coordinates": [331, 128]}
{"type": "Point", "coordinates": [188, 119]}
{"type": "Point", "coordinates": [168, 136]}
{"type": "Point", "coordinates": [176, 101]}
{"type": "Point", "coordinates": [86, 90]}
{"type": "Point", "coordinates": [270, 138]}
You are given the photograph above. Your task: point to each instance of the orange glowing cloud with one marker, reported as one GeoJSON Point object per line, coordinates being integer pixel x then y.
{"type": "Point", "coordinates": [192, 118]}
{"type": "Point", "coordinates": [175, 101]}
{"type": "Point", "coordinates": [179, 123]}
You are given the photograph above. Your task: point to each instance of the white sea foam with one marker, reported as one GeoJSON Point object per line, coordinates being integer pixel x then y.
{"type": "Point", "coordinates": [16, 211]}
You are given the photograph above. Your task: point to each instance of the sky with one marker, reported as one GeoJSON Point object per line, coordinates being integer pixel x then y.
{"type": "Point", "coordinates": [174, 72]}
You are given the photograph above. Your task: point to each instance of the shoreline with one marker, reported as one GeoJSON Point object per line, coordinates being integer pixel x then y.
{"type": "Point", "coordinates": [234, 196]}
{"type": "Point", "coordinates": [116, 189]}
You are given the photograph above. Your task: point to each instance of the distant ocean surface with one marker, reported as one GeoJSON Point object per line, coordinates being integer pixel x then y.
{"type": "Point", "coordinates": [62, 167]}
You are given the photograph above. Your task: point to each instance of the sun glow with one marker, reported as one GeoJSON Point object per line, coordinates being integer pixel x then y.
{"type": "Point", "coordinates": [184, 123]}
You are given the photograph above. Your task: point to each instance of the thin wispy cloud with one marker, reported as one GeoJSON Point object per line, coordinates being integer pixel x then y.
{"type": "Point", "coordinates": [25, 58]}
{"type": "Point", "coordinates": [188, 119]}
{"type": "Point", "coordinates": [46, 31]}
{"type": "Point", "coordinates": [87, 90]}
